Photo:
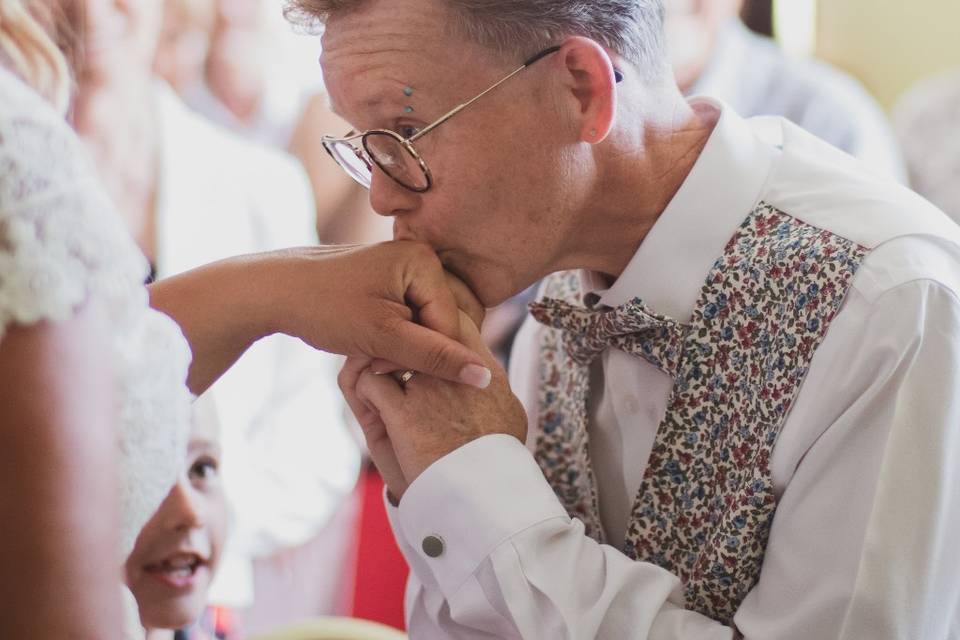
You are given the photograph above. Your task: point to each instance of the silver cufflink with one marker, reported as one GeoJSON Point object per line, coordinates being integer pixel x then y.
{"type": "Point", "coordinates": [433, 546]}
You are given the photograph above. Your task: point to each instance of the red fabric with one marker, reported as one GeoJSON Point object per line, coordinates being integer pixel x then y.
{"type": "Point", "coordinates": [223, 623]}
{"type": "Point", "coordinates": [381, 573]}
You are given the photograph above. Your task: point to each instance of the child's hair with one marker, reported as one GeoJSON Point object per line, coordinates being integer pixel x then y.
{"type": "Point", "coordinates": [30, 51]}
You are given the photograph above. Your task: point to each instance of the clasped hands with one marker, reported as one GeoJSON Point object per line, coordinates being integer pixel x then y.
{"type": "Point", "coordinates": [410, 426]}
{"type": "Point", "coordinates": [380, 304]}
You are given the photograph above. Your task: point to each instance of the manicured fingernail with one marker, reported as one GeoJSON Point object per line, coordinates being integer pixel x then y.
{"type": "Point", "coordinates": [476, 376]}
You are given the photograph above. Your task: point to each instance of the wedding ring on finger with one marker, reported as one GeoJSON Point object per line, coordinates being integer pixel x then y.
{"type": "Point", "coordinates": [406, 377]}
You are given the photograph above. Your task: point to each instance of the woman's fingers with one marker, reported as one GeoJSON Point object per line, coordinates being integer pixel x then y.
{"type": "Point", "coordinates": [434, 354]}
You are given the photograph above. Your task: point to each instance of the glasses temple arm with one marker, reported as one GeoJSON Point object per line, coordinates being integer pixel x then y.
{"type": "Point", "coordinates": [463, 106]}
{"type": "Point", "coordinates": [543, 54]}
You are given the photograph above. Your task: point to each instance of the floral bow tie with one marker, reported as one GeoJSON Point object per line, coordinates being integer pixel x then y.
{"type": "Point", "coordinates": [631, 327]}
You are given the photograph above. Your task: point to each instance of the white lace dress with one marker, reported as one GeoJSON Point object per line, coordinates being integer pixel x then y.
{"type": "Point", "coordinates": [62, 246]}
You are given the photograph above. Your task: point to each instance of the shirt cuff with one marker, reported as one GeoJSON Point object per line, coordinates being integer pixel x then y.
{"type": "Point", "coordinates": [467, 504]}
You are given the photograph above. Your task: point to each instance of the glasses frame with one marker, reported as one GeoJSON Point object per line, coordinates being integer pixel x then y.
{"type": "Point", "coordinates": [370, 160]}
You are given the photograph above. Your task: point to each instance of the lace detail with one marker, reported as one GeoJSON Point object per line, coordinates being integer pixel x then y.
{"type": "Point", "coordinates": [62, 246]}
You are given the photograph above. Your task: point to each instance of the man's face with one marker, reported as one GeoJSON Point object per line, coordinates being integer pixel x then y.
{"type": "Point", "coordinates": [504, 169]}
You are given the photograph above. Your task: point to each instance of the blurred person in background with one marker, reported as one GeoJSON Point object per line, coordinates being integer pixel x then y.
{"type": "Point", "coordinates": [343, 209]}
{"type": "Point", "coordinates": [713, 53]}
{"type": "Point", "coordinates": [926, 122]}
{"type": "Point", "coordinates": [177, 553]}
{"type": "Point", "coordinates": [261, 80]}
{"type": "Point", "coordinates": [192, 193]}
{"type": "Point", "coordinates": [184, 43]}
{"type": "Point", "coordinates": [237, 63]}
{"type": "Point", "coordinates": [258, 75]}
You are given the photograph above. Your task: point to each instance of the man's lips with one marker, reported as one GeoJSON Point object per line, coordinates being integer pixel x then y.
{"type": "Point", "coordinates": [179, 571]}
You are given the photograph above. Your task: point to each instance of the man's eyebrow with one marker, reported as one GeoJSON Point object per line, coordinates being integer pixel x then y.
{"type": "Point", "coordinates": [372, 103]}
{"type": "Point", "coordinates": [382, 97]}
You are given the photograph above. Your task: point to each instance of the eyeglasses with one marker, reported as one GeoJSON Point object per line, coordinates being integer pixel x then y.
{"type": "Point", "coordinates": [396, 155]}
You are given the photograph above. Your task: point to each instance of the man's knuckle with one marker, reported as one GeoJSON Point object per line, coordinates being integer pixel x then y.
{"type": "Point", "coordinates": [345, 380]}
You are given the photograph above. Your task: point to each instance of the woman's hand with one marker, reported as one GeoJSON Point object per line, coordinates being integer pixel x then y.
{"type": "Point", "coordinates": [391, 303]}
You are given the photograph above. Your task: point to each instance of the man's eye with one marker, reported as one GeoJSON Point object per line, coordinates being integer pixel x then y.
{"type": "Point", "coordinates": [407, 131]}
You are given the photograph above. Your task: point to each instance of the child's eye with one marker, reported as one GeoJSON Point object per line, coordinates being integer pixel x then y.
{"type": "Point", "coordinates": [204, 469]}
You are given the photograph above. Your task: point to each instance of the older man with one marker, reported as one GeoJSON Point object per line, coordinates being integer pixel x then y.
{"type": "Point", "coordinates": [740, 381]}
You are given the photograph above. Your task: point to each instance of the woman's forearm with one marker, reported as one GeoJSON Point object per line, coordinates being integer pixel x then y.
{"type": "Point", "coordinates": [217, 309]}
{"type": "Point", "coordinates": [59, 564]}
{"type": "Point", "coordinates": [224, 307]}
{"type": "Point", "coordinates": [355, 301]}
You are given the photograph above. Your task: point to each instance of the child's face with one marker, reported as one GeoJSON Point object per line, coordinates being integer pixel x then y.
{"type": "Point", "coordinates": [176, 554]}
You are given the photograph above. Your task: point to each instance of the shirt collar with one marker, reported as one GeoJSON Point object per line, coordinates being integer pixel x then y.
{"type": "Point", "coordinates": [669, 269]}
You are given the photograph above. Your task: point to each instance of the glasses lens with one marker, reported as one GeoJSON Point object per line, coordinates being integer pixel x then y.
{"type": "Point", "coordinates": [352, 161]}
{"type": "Point", "coordinates": [396, 160]}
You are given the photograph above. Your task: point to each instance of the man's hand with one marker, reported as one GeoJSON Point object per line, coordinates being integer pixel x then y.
{"type": "Point", "coordinates": [409, 428]}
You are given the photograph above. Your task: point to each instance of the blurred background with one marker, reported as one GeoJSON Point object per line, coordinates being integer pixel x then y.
{"type": "Point", "coordinates": [206, 118]}
{"type": "Point", "coordinates": [888, 45]}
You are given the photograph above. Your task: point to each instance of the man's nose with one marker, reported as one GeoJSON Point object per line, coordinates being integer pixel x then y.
{"type": "Point", "coordinates": [388, 198]}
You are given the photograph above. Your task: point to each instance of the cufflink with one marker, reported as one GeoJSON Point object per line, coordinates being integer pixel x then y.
{"type": "Point", "coordinates": [433, 546]}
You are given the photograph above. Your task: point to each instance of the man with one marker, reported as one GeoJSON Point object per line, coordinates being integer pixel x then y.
{"type": "Point", "coordinates": [714, 54]}
{"type": "Point", "coordinates": [740, 382]}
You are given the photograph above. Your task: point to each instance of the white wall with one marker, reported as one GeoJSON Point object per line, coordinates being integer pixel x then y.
{"type": "Point", "coordinates": [889, 44]}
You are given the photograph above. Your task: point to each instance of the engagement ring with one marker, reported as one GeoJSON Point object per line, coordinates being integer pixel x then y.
{"type": "Point", "coordinates": [406, 377]}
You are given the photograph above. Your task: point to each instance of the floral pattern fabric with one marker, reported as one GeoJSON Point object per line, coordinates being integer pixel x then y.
{"type": "Point", "coordinates": [706, 502]}
{"type": "Point", "coordinates": [633, 328]}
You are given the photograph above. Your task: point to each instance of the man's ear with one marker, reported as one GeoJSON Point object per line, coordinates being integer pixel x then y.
{"type": "Point", "coordinates": [592, 84]}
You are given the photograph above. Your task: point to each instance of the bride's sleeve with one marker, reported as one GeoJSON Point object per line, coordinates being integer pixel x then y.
{"type": "Point", "coordinates": [61, 242]}
{"type": "Point", "coordinates": [64, 249]}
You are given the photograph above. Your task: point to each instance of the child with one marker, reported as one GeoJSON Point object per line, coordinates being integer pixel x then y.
{"type": "Point", "coordinates": [175, 556]}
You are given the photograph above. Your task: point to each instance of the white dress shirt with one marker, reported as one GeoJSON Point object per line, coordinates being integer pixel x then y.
{"type": "Point", "coordinates": [926, 120]}
{"type": "Point", "coordinates": [863, 544]}
{"type": "Point", "coordinates": [288, 456]}
{"type": "Point", "coordinates": [757, 78]}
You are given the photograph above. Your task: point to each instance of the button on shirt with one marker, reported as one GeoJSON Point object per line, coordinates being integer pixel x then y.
{"type": "Point", "coordinates": [865, 468]}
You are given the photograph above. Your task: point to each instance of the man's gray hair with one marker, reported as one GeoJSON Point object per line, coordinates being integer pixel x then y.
{"type": "Point", "coordinates": [631, 28]}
